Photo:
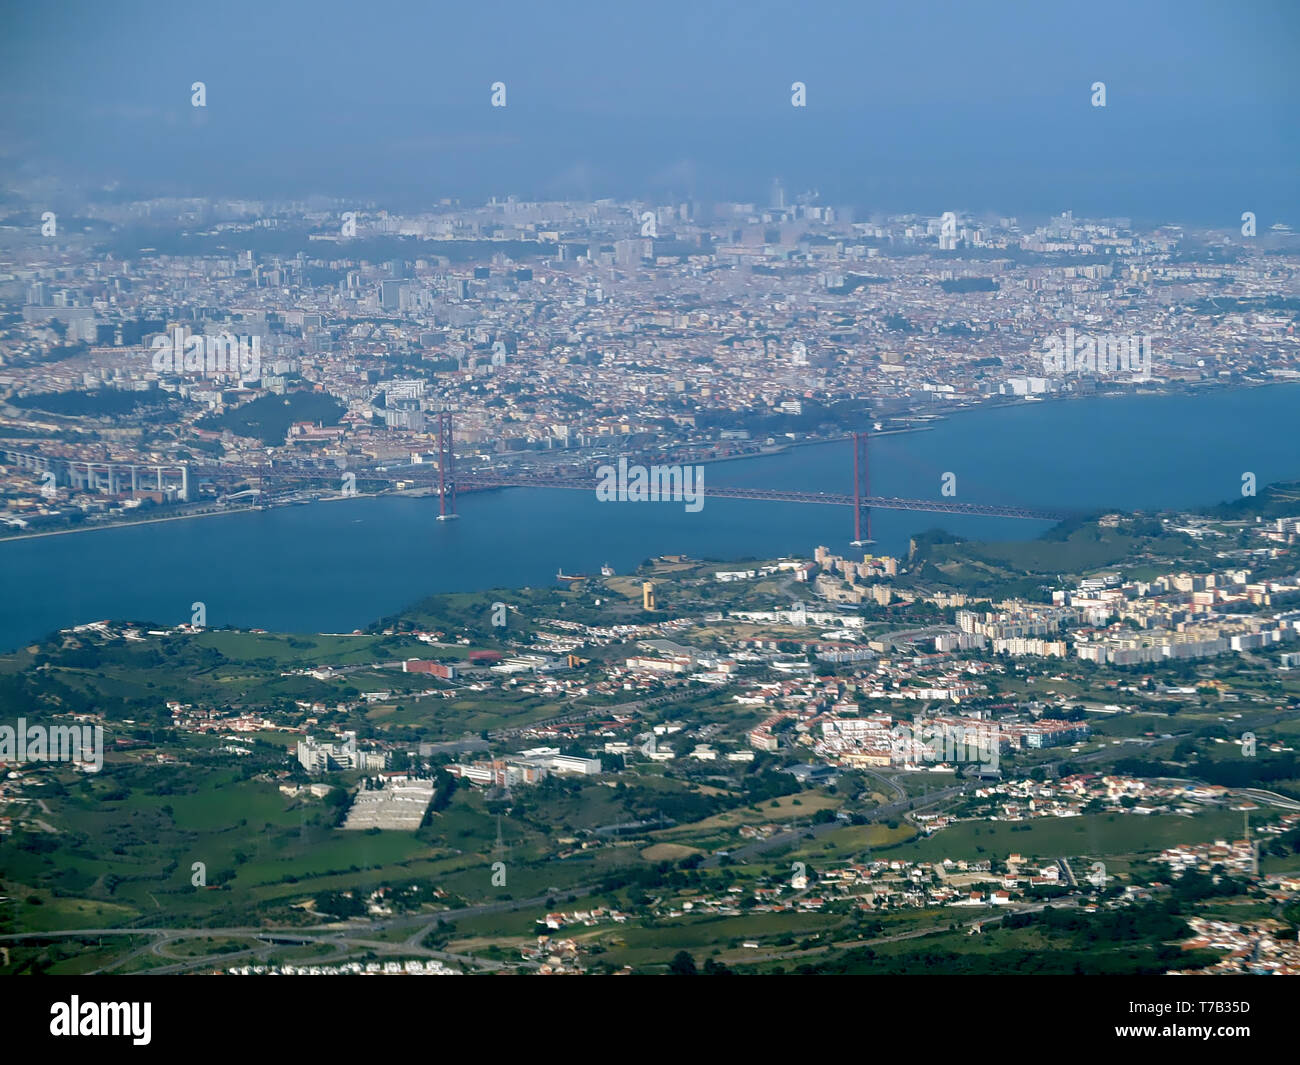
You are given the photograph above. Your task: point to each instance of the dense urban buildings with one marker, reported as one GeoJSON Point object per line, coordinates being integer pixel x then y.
{"type": "Point", "coordinates": [554, 334]}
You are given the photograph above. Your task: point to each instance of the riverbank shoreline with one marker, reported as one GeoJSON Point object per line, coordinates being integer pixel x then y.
{"type": "Point", "coordinates": [194, 517]}
{"type": "Point", "coordinates": [417, 493]}
{"type": "Point", "coordinates": [933, 420]}
{"type": "Point", "coordinates": [321, 569]}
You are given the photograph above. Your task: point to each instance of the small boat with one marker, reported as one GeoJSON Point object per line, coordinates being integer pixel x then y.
{"type": "Point", "coordinates": [560, 575]}
{"type": "Point", "coordinates": [607, 570]}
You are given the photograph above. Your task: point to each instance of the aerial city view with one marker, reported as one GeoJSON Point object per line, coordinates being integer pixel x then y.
{"type": "Point", "coordinates": [505, 505]}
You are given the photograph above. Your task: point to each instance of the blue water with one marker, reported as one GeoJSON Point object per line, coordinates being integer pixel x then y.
{"type": "Point", "coordinates": [334, 567]}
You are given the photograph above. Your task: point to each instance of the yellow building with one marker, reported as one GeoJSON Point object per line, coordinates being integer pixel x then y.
{"type": "Point", "coordinates": [647, 595]}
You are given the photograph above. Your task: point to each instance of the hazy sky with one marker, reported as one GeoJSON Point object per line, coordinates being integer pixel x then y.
{"type": "Point", "coordinates": [919, 105]}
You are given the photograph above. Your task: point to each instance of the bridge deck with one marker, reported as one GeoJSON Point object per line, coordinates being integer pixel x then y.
{"type": "Point", "coordinates": [775, 495]}
{"type": "Point", "coordinates": [283, 472]}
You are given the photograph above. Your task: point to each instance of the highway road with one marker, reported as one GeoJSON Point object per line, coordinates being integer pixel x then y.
{"type": "Point", "coordinates": [347, 939]}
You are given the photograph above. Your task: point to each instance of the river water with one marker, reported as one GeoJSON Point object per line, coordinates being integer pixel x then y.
{"type": "Point", "coordinates": [334, 567]}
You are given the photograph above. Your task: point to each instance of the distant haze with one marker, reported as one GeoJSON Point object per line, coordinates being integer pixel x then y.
{"type": "Point", "coordinates": [911, 106]}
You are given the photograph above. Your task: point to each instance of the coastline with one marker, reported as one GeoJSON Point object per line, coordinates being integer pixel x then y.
{"type": "Point", "coordinates": [120, 525]}
{"type": "Point", "coordinates": [392, 553]}
{"type": "Point", "coordinates": [183, 517]}
{"type": "Point", "coordinates": [790, 445]}
{"type": "Point", "coordinates": [409, 493]}
{"type": "Point", "coordinates": [933, 422]}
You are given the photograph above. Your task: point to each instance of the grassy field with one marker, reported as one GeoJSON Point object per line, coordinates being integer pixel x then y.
{"type": "Point", "coordinates": [1098, 835]}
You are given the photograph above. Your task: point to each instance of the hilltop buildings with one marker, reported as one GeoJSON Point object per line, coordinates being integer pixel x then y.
{"type": "Point", "coordinates": [527, 767]}
{"type": "Point", "coordinates": [327, 757]}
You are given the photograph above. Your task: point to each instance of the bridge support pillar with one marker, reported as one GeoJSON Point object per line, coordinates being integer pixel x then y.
{"type": "Point", "coordinates": [861, 491]}
{"type": "Point", "coordinates": [446, 468]}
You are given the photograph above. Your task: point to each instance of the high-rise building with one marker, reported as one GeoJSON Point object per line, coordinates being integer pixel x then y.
{"type": "Point", "coordinates": [647, 595]}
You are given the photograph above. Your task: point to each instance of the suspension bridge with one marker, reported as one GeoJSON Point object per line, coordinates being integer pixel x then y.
{"type": "Point", "coordinates": [447, 482]}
